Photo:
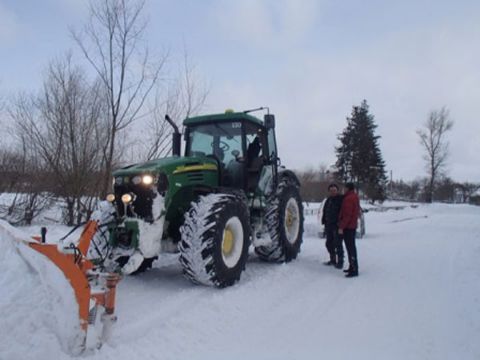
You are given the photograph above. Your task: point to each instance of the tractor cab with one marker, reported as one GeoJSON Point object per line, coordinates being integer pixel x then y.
{"type": "Point", "coordinates": [242, 145]}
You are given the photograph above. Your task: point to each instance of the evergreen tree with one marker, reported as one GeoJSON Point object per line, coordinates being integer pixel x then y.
{"type": "Point", "coordinates": [359, 158]}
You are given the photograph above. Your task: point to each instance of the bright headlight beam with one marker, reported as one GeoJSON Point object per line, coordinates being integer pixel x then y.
{"type": "Point", "coordinates": [147, 179]}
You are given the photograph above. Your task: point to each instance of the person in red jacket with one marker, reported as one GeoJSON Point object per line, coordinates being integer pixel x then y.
{"type": "Point", "coordinates": [347, 225]}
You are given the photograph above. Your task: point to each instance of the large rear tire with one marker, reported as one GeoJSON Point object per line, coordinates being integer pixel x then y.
{"type": "Point", "coordinates": [284, 219]}
{"type": "Point", "coordinates": [214, 240]}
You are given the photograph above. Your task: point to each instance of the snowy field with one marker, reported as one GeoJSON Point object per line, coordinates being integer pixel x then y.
{"type": "Point", "coordinates": [417, 297]}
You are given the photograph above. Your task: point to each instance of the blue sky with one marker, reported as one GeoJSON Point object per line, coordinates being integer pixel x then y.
{"type": "Point", "coordinates": [309, 61]}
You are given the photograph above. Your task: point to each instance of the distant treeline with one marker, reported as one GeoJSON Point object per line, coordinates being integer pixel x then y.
{"type": "Point", "coordinates": [315, 183]}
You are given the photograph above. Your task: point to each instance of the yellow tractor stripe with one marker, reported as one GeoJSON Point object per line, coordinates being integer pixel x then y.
{"type": "Point", "coordinates": [183, 169]}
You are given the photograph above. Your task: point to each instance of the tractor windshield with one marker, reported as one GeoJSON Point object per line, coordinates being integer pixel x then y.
{"type": "Point", "coordinates": [220, 140]}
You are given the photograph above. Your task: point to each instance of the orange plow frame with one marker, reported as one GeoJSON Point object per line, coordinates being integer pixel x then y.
{"type": "Point", "coordinates": [82, 276]}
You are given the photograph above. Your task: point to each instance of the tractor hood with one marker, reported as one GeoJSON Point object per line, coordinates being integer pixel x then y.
{"type": "Point", "coordinates": [168, 165]}
{"type": "Point", "coordinates": [168, 177]}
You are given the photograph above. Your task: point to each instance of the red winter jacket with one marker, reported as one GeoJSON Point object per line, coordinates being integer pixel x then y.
{"type": "Point", "coordinates": [350, 211]}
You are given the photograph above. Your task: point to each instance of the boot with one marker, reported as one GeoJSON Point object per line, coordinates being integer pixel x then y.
{"type": "Point", "coordinates": [339, 264]}
{"type": "Point", "coordinates": [353, 268]}
{"type": "Point", "coordinates": [331, 261]}
{"type": "Point", "coordinates": [352, 273]}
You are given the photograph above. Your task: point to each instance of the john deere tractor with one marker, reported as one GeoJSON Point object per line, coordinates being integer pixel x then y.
{"type": "Point", "coordinates": [226, 193]}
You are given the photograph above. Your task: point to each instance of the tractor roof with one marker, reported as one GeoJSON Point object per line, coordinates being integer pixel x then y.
{"type": "Point", "coordinates": [225, 117]}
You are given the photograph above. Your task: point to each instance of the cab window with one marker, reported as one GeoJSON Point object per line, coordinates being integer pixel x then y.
{"type": "Point", "coordinates": [255, 140]}
{"type": "Point", "coordinates": [219, 140]}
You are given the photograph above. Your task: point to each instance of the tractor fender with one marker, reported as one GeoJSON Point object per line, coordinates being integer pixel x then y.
{"type": "Point", "coordinates": [289, 175]}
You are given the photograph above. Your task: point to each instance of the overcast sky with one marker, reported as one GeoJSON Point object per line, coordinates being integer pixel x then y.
{"type": "Point", "coordinates": [309, 61]}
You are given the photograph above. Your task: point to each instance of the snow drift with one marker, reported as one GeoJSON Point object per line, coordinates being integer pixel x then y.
{"type": "Point", "coordinates": [38, 305]}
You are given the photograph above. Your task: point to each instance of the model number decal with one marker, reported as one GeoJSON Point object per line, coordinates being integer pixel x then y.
{"type": "Point", "coordinates": [236, 125]}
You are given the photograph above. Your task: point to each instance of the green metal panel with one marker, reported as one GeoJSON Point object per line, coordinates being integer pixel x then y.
{"type": "Point", "coordinates": [180, 172]}
{"type": "Point", "coordinates": [128, 225]}
{"type": "Point", "coordinates": [184, 175]}
{"type": "Point", "coordinates": [167, 165]}
{"type": "Point", "coordinates": [189, 180]}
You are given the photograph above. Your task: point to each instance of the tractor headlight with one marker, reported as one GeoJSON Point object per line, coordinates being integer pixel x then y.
{"type": "Point", "coordinates": [147, 179]}
{"type": "Point", "coordinates": [143, 179]}
{"type": "Point", "coordinates": [110, 198]}
{"type": "Point", "coordinates": [127, 198]}
{"type": "Point", "coordinates": [118, 180]}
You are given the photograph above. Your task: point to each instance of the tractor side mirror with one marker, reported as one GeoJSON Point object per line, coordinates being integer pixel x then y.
{"type": "Point", "coordinates": [269, 120]}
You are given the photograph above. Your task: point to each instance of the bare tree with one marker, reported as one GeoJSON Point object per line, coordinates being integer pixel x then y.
{"type": "Point", "coordinates": [62, 127]}
{"type": "Point", "coordinates": [315, 181]}
{"type": "Point", "coordinates": [184, 98]}
{"type": "Point", "coordinates": [23, 178]}
{"type": "Point", "coordinates": [406, 190]}
{"type": "Point", "coordinates": [158, 137]}
{"type": "Point", "coordinates": [111, 42]}
{"type": "Point", "coordinates": [433, 140]}
{"type": "Point", "coordinates": [192, 94]}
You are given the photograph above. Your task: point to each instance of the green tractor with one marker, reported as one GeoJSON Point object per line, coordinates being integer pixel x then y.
{"type": "Point", "coordinates": [228, 192]}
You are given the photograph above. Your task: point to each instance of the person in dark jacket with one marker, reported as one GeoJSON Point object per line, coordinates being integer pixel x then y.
{"type": "Point", "coordinates": [347, 225]}
{"type": "Point", "coordinates": [330, 213]}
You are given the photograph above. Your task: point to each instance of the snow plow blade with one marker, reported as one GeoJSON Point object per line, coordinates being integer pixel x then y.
{"type": "Point", "coordinates": [94, 289]}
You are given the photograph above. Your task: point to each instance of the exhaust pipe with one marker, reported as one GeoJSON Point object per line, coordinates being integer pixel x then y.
{"type": "Point", "coordinates": [176, 137]}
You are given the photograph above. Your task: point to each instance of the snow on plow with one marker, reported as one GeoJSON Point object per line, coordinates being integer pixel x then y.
{"type": "Point", "coordinates": [93, 288]}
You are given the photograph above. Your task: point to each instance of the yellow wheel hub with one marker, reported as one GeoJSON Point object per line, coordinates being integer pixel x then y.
{"type": "Point", "coordinates": [227, 243]}
{"type": "Point", "coordinates": [289, 218]}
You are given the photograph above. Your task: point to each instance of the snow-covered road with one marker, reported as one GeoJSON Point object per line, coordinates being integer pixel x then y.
{"type": "Point", "coordinates": [417, 297]}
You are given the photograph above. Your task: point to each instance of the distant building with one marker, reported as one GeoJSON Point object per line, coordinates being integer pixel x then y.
{"type": "Point", "coordinates": [475, 198]}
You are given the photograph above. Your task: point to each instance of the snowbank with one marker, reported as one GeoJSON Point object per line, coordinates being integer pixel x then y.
{"type": "Point", "coordinates": [39, 311]}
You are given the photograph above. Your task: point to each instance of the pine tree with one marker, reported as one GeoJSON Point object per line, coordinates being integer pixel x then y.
{"type": "Point", "coordinates": [359, 158]}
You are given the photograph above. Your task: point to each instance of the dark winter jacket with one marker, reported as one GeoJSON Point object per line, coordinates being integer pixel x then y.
{"type": "Point", "coordinates": [331, 209]}
{"type": "Point", "coordinates": [350, 211]}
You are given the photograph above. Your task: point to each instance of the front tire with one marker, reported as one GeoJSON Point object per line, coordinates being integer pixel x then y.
{"type": "Point", "coordinates": [214, 240]}
{"type": "Point", "coordinates": [284, 219]}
